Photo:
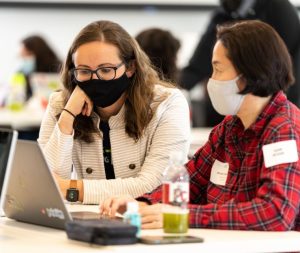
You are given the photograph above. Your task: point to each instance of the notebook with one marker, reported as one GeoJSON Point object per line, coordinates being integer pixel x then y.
{"type": "Point", "coordinates": [8, 139]}
{"type": "Point", "coordinates": [32, 194]}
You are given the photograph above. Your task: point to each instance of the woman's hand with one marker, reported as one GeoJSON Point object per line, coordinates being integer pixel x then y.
{"type": "Point", "coordinates": [151, 214]}
{"type": "Point", "coordinates": [78, 103]}
{"type": "Point", "coordinates": [114, 205]}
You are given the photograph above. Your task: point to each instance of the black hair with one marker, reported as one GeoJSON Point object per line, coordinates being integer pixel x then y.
{"type": "Point", "coordinates": [259, 54]}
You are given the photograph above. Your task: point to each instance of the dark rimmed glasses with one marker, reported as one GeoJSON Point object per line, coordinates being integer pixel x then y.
{"type": "Point", "coordinates": [103, 73]}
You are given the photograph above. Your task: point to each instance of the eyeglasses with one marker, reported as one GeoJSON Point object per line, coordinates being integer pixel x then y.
{"type": "Point", "coordinates": [103, 73]}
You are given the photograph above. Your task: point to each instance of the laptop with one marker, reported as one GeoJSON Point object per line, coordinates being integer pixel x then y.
{"type": "Point", "coordinates": [32, 194]}
{"type": "Point", "coordinates": [8, 139]}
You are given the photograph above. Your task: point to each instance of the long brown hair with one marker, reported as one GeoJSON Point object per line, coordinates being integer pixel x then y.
{"type": "Point", "coordinates": [140, 95]}
{"type": "Point", "coordinates": [46, 59]}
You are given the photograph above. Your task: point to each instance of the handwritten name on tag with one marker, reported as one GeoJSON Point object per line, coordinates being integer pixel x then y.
{"type": "Point", "coordinates": [219, 172]}
{"type": "Point", "coordinates": [280, 152]}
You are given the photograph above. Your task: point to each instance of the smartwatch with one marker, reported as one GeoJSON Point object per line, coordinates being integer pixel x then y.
{"type": "Point", "coordinates": [72, 192]}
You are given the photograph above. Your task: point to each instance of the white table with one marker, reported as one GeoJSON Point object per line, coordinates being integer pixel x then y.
{"type": "Point", "coordinates": [29, 117]}
{"type": "Point", "coordinates": [21, 120]}
{"type": "Point", "coordinates": [21, 237]}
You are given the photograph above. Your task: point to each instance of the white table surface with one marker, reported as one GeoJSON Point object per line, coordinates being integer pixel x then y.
{"type": "Point", "coordinates": [21, 237]}
{"type": "Point", "coordinates": [20, 120]}
{"type": "Point", "coordinates": [29, 117]}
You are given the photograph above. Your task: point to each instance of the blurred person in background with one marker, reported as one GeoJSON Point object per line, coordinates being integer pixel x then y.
{"type": "Point", "coordinates": [280, 14]}
{"type": "Point", "coordinates": [162, 48]}
{"type": "Point", "coordinates": [37, 56]}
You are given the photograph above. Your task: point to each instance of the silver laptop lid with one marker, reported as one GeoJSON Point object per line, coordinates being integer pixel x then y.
{"type": "Point", "coordinates": [32, 193]}
{"type": "Point", "coordinates": [8, 139]}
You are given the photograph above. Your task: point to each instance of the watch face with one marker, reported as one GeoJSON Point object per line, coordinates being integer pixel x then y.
{"type": "Point", "coordinates": [72, 194]}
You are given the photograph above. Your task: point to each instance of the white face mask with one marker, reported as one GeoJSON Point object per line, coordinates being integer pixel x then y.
{"type": "Point", "coordinates": [224, 96]}
{"type": "Point", "coordinates": [27, 65]}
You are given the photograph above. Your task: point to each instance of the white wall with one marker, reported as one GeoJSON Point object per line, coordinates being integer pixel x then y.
{"type": "Point", "coordinates": [192, 2]}
{"type": "Point", "coordinates": [59, 27]}
{"type": "Point", "coordinates": [166, 2]}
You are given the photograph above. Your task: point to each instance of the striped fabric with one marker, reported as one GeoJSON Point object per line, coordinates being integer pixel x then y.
{"type": "Point", "coordinates": [138, 165]}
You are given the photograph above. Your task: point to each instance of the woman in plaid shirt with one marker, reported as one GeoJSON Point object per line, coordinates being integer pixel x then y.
{"type": "Point", "coordinates": [255, 148]}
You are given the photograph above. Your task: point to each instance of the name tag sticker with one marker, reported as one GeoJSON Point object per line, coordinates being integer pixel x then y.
{"type": "Point", "coordinates": [219, 172]}
{"type": "Point", "coordinates": [280, 152]}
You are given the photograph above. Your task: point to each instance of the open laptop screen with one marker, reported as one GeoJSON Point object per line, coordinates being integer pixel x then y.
{"type": "Point", "coordinates": [32, 194]}
{"type": "Point", "coordinates": [6, 139]}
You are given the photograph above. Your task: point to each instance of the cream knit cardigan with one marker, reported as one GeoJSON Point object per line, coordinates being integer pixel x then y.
{"type": "Point", "coordinates": [138, 165]}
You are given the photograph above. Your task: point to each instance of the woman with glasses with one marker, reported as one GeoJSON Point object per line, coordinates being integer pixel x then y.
{"type": "Point", "coordinates": [115, 123]}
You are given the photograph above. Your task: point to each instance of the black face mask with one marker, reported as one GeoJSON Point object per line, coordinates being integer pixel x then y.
{"type": "Point", "coordinates": [105, 93]}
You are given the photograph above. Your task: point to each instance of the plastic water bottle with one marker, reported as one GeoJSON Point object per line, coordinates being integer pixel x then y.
{"type": "Point", "coordinates": [17, 94]}
{"type": "Point", "coordinates": [175, 196]}
{"type": "Point", "coordinates": [132, 216]}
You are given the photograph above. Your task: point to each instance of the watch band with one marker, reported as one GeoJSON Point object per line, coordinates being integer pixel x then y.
{"type": "Point", "coordinates": [73, 184]}
{"type": "Point", "coordinates": [72, 194]}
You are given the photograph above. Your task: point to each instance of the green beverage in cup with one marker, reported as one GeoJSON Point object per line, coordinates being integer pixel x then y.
{"type": "Point", "coordinates": [17, 95]}
{"type": "Point", "coordinates": [175, 197]}
{"type": "Point", "coordinates": [176, 222]}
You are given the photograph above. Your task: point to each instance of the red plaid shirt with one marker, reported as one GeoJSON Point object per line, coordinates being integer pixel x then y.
{"type": "Point", "coordinates": [254, 197]}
